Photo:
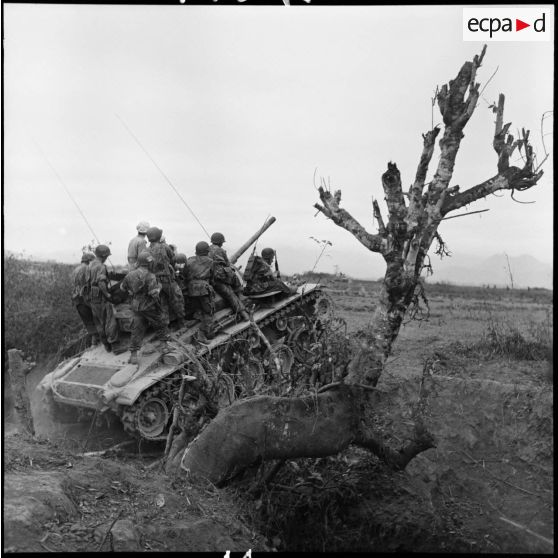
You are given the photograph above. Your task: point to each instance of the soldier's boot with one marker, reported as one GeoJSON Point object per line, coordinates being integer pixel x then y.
{"type": "Point", "coordinates": [94, 340]}
{"type": "Point", "coordinates": [133, 357]}
{"type": "Point", "coordinates": [180, 323]}
{"type": "Point", "coordinates": [108, 346]}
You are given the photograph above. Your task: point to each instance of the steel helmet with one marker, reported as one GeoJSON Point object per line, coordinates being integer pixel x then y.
{"type": "Point", "coordinates": [268, 253]}
{"type": "Point", "coordinates": [144, 258]}
{"type": "Point", "coordinates": [202, 248]}
{"type": "Point", "coordinates": [142, 227]}
{"type": "Point", "coordinates": [102, 251]}
{"type": "Point", "coordinates": [217, 238]}
{"type": "Point", "coordinates": [154, 234]}
{"type": "Point", "coordinates": [87, 257]}
{"type": "Point", "coordinates": [180, 258]}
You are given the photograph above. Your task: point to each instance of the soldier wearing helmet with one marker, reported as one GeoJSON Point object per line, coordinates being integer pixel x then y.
{"type": "Point", "coordinates": [172, 301]}
{"type": "Point", "coordinates": [137, 244]}
{"type": "Point", "coordinates": [80, 295]}
{"type": "Point", "coordinates": [261, 278]}
{"type": "Point", "coordinates": [227, 283]}
{"type": "Point", "coordinates": [144, 289]}
{"type": "Point", "coordinates": [199, 285]}
{"type": "Point", "coordinates": [268, 254]}
{"type": "Point", "coordinates": [100, 298]}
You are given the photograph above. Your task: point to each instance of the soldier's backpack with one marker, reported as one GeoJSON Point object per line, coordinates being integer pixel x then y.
{"type": "Point", "coordinates": [251, 267]}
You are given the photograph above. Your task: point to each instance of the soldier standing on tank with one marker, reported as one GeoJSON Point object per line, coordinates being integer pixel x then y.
{"type": "Point", "coordinates": [80, 296]}
{"type": "Point", "coordinates": [138, 244]}
{"type": "Point", "coordinates": [144, 289]}
{"type": "Point", "coordinates": [163, 260]}
{"type": "Point", "coordinates": [226, 283]}
{"type": "Point", "coordinates": [180, 266]}
{"type": "Point", "coordinates": [100, 298]}
{"type": "Point", "coordinates": [199, 280]}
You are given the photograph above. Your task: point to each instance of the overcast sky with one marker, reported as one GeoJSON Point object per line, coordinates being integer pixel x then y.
{"type": "Point", "coordinates": [239, 106]}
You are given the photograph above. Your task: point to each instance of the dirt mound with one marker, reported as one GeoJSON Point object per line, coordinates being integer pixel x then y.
{"type": "Point", "coordinates": [56, 500]}
{"type": "Point", "coordinates": [493, 464]}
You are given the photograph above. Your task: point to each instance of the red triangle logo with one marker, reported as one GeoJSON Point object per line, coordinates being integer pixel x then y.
{"type": "Point", "coordinates": [519, 25]}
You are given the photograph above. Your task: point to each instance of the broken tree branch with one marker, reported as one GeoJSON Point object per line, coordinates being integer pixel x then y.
{"type": "Point", "coordinates": [415, 191]}
{"type": "Point", "coordinates": [378, 216]}
{"type": "Point", "coordinates": [399, 459]}
{"type": "Point", "coordinates": [391, 182]}
{"type": "Point", "coordinates": [512, 179]}
{"type": "Point", "coordinates": [345, 220]}
{"type": "Point", "coordinates": [463, 214]}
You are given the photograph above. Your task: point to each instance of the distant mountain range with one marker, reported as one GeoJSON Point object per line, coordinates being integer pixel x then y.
{"type": "Point", "coordinates": [461, 269]}
{"type": "Point", "coordinates": [526, 271]}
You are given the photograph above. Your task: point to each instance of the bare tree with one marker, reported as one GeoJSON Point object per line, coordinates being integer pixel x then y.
{"type": "Point", "coordinates": [323, 424]}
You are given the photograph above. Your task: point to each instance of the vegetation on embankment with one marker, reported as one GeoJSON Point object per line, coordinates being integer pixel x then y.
{"type": "Point", "coordinates": [38, 316]}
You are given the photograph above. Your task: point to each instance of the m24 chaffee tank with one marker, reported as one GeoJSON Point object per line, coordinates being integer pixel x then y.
{"type": "Point", "coordinates": [194, 379]}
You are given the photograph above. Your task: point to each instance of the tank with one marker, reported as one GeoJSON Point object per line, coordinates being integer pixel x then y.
{"type": "Point", "coordinates": [189, 384]}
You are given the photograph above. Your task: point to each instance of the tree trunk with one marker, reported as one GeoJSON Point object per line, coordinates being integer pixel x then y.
{"type": "Point", "coordinates": [265, 428]}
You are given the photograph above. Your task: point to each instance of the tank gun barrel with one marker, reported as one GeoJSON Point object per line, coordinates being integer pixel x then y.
{"type": "Point", "coordinates": [234, 258]}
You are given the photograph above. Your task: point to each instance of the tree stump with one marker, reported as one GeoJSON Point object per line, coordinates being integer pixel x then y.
{"type": "Point", "coordinates": [17, 370]}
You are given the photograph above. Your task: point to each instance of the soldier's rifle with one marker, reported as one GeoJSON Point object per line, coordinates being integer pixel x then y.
{"type": "Point", "coordinates": [276, 266]}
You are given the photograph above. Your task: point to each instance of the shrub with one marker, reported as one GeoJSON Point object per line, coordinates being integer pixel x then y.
{"type": "Point", "coordinates": [507, 339]}
{"type": "Point", "coordinates": [38, 314]}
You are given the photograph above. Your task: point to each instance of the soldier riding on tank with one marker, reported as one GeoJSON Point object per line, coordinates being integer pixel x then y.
{"type": "Point", "coordinates": [138, 244]}
{"type": "Point", "coordinates": [260, 276]}
{"type": "Point", "coordinates": [199, 280]}
{"type": "Point", "coordinates": [100, 298]}
{"type": "Point", "coordinates": [163, 260]}
{"type": "Point", "coordinates": [144, 289]}
{"type": "Point", "coordinates": [80, 296]}
{"type": "Point", "coordinates": [227, 283]}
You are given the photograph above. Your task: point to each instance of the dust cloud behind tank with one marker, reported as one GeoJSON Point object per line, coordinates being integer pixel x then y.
{"type": "Point", "coordinates": [245, 358]}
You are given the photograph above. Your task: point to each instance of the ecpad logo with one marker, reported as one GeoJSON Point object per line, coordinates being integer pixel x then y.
{"type": "Point", "coordinates": [507, 24]}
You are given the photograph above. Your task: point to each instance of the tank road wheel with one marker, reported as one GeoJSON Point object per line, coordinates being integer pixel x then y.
{"type": "Point", "coordinates": [303, 342]}
{"type": "Point", "coordinates": [152, 418]}
{"type": "Point", "coordinates": [149, 416]}
{"type": "Point", "coordinates": [225, 392]}
{"type": "Point", "coordinates": [252, 374]}
{"type": "Point", "coordinates": [280, 359]}
{"type": "Point", "coordinates": [323, 307]}
{"type": "Point", "coordinates": [253, 340]}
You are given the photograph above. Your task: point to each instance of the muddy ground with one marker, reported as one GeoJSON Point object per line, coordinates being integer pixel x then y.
{"type": "Point", "coordinates": [487, 487]}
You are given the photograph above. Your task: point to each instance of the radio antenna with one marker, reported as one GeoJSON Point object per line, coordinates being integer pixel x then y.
{"type": "Point", "coordinates": [161, 171]}
{"type": "Point", "coordinates": [66, 189]}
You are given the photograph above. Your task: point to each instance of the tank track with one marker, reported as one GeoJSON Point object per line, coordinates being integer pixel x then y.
{"type": "Point", "coordinates": [286, 312]}
{"type": "Point", "coordinates": [167, 388]}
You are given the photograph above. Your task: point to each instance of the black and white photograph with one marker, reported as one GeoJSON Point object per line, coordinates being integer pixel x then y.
{"type": "Point", "coordinates": [277, 277]}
